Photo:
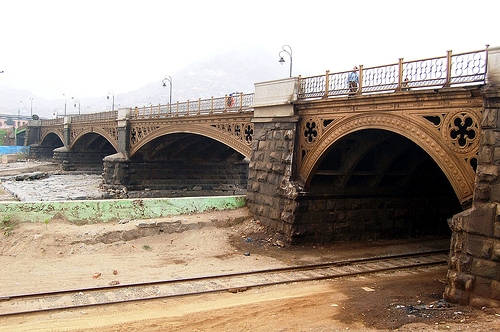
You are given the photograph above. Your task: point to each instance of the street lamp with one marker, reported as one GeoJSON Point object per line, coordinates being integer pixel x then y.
{"type": "Point", "coordinates": [74, 105]}
{"type": "Point", "coordinates": [19, 112]}
{"type": "Point", "coordinates": [64, 104]}
{"type": "Point", "coordinates": [113, 96]}
{"type": "Point", "coordinates": [288, 50]}
{"type": "Point", "coordinates": [169, 80]}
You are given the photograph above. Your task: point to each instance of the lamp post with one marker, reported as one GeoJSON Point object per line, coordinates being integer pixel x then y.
{"type": "Point", "coordinates": [31, 107]}
{"type": "Point", "coordinates": [169, 80]}
{"type": "Point", "coordinates": [113, 102]}
{"type": "Point", "coordinates": [74, 105]}
{"type": "Point", "coordinates": [64, 104]}
{"type": "Point", "coordinates": [288, 50]}
{"type": "Point", "coordinates": [19, 112]}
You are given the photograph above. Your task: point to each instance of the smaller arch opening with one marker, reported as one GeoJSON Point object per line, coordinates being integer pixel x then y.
{"type": "Point", "coordinates": [182, 164]}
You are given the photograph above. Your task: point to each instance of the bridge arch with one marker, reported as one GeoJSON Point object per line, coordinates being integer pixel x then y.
{"type": "Point", "coordinates": [234, 141]}
{"type": "Point", "coordinates": [49, 137]}
{"type": "Point", "coordinates": [77, 135]}
{"type": "Point", "coordinates": [459, 173]}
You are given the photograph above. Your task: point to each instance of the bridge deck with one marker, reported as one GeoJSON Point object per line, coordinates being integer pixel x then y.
{"type": "Point", "coordinates": [450, 70]}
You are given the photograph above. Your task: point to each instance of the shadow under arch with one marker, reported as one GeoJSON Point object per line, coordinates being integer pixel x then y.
{"type": "Point", "coordinates": [93, 141]}
{"type": "Point", "coordinates": [233, 141]}
{"type": "Point", "coordinates": [52, 138]}
{"type": "Point", "coordinates": [459, 173]}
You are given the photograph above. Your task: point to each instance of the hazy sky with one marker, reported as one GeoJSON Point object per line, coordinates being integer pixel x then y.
{"type": "Point", "coordinates": [86, 47]}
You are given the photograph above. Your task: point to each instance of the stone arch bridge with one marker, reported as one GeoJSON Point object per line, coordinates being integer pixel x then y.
{"type": "Point", "coordinates": [412, 145]}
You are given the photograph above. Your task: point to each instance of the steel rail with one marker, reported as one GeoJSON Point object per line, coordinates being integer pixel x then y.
{"type": "Point", "coordinates": [215, 283]}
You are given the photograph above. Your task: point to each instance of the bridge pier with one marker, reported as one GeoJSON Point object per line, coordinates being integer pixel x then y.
{"type": "Point", "coordinates": [474, 265]}
{"type": "Point", "coordinates": [116, 166]}
{"type": "Point", "coordinates": [271, 192]}
{"type": "Point", "coordinates": [32, 139]}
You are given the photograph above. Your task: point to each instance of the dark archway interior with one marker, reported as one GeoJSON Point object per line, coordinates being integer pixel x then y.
{"type": "Point", "coordinates": [183, 164]}
{"type": "Point", "coordinates": [378, 184]}
{"type": "Point", "coordinates": [86, 154]}
{"type": "Point", "coordinates": [183, 147]}
{"type": "Point", "coordinates": [52, 141]}
{"type": "Point", "coordinates": [93, 142]}
{"type": "Point", "coordinates": [46, 148]}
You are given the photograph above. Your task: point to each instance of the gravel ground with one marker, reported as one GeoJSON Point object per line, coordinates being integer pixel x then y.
{"type": "Point", "coordinates": [34, 181]}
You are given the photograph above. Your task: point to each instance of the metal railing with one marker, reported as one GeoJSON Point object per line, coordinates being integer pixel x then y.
{"type": "Point", "coordinates": [95, 117]}
{"type": "Point", "coordinates": [235, 103]}
{"type": "Point", "coordinates": [452, 69]}
{"type": "Point", "coordinates": [449, 70]}
{"type": "Point", "coordinates": [52, 122]}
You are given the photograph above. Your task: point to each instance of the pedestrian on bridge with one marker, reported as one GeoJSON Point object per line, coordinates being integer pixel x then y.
{"type": "Point", "coordinates": [352, 80]}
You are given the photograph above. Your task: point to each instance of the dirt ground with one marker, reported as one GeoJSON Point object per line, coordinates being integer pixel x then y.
{"type": "Point", "coordinates": [59, 255]}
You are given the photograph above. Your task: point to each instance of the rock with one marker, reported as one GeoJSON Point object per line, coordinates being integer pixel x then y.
{"type": "Point", "coordinates": [246, 253]}
{"type": "Point", "coordinates": [237, 290]}
{"type": "Point", "coordinates": [279, 243]}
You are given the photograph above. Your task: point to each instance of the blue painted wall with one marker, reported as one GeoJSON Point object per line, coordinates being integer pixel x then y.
{"type": "Point", "coordinates": [14, 150]}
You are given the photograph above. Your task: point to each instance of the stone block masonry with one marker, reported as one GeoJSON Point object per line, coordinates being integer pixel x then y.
{"type": "Point", "coordinates": [269, 173]}
{"type": "Point", "coordinates": [474, 266]}
{"type": "Point", "coordinates": [227, 178]}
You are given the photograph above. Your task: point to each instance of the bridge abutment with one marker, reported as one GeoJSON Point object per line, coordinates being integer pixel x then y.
{"type": "Point", "coordinates": [474, 265]}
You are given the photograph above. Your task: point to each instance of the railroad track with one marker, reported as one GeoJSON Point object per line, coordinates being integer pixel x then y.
{"type": "Point", "coordinates": [234, 282]}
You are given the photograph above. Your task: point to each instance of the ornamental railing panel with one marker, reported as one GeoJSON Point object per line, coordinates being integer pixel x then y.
{"type": "Point", "coordinates": [95, 117]}
{"type": "Point", "coordinates": [445, 71]}
{"type": "Point", "coordinates": [235, 103]}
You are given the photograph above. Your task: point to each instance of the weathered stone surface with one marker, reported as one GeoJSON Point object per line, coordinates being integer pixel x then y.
{"type": "Point", "coordinates": [485, 268]}
{"type": "Point", "coordinates": [495, 254]}
{"type": "Point", "coordinates": [489, 118]}
{"type": "Point", "coordinates": [478, 247]}
{"type": "Point", "coordinates": [481, 219]}
{"type": "Point", "coordinates": [480, 302]}
{"type": "Point", "coordinates": [496, 155]}
{"type": "Point", "coordinates": [495, 193]}
{"type": "Point", "coordinates": [495, 290]}
{"type": "Point", "coordinates": [485, 154]}
{"type": "Point", "coordinates": [488, 173]}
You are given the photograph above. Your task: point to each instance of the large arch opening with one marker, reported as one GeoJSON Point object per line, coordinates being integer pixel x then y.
{"type": "Point", "coordinates": [183, 164]}
{"type": "Point", "coordinates": [374, 184]}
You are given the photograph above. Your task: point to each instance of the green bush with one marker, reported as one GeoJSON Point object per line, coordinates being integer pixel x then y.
{"type": "Point", "coordinates": [7, 225]}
